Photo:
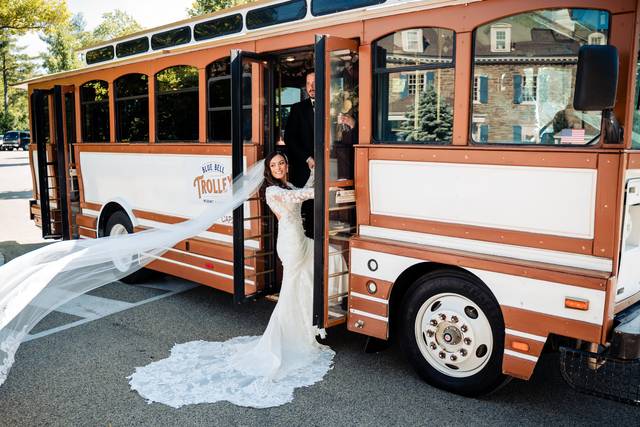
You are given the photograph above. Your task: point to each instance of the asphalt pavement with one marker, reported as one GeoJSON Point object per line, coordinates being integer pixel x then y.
{"type": "Point", "coordinates": [73, 371]}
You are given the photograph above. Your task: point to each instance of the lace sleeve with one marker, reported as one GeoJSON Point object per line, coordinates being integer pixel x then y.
{"type": "Point", "coordinates": [311, 179]}
{"type": "Point", "coordinates": [289, 196]}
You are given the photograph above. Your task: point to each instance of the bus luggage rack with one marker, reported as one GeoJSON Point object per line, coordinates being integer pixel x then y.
{"type": "Point", "coordinates": [601, 375]}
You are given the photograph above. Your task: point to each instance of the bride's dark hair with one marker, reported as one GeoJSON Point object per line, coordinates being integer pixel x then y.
{"type": "Point", "coordinates": [268, 177]}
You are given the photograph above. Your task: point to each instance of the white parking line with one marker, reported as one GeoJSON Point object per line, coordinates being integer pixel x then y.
{"type": "Point", "coordinates": [93, 308]}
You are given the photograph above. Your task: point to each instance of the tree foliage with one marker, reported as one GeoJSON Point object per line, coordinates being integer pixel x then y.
{"type": "Point", "coordinates": [201, 7]}
{"type": "Point", "coordinates": [114, 24]}
{"type": "Point", "coordinates": [71, 36]}
{"type": "Point", "coordinates": [432, 122]}
{"type": "Point", "coordinates": [62, 43]}
{"type": "Point", "coordinates": [20, 16]}
{"type": "Point", "coordinates": [15, 66]}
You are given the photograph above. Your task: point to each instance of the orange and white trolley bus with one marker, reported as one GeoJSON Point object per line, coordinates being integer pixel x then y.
{"type": "Point", "coordinates": [487, 201]}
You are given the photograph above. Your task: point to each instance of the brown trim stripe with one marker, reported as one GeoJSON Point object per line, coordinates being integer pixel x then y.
{"type": "Point", "coordinates": [497, 235]}
{"type": "Point", "coordinates": [517, 367]}
{"type": "Point", "coordinates": [543, 324]}
{"type": "Point", "coordinates": [534, 270]}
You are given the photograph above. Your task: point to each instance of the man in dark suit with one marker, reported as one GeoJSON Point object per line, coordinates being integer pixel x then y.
{"type": "Point", "coordinates": [298, 137]}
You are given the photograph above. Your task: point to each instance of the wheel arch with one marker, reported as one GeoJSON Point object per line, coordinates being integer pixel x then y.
{"type": "Point", "coordinates": [411, 274]}
{"type": "Point", "coordinates": [109, 209]}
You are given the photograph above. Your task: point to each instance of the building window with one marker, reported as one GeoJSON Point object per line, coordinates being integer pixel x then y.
{"type": "Point", "coordinates": [177, 104]}
{"type": "Point", "coordinates": [480, 89]}
{"type": "Point", "coordinates": [597, 38]}
{"type": "Point", "coordinates": [530, 60]}
{"type": "Point", "coordinates": [94, 106]}
{"type": "Point", "coordinates": [412, 41]}
{"type": "Point", "coordinates": [501, 38]}
{"type": "Point", "coordinates": [413, 86]}
{"type": "Point", "coordinates": [529, 88]}
{"type": "Point", "coordinates": [416, 83]}
{"type": "Point", "coordinates": [132, 108]}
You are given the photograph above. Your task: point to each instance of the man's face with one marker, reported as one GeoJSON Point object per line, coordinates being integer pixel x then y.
{"type": "Point", "coordinates": [311, 85]}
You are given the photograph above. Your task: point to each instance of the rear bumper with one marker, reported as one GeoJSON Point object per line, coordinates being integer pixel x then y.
{"type": "Point", "coordinates": [625, 341]}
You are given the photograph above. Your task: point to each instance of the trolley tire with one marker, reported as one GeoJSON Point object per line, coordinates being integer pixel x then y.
{"type": "Point", "coordinates": [119, 218]}
{"type": "Point", "coordinates": [486, 378]}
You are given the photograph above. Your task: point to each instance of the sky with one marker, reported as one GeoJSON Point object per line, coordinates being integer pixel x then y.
{"type": "Point", "coordinates": [149, 13]}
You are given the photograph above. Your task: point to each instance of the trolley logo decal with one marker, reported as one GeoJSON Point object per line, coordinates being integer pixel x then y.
{"type": "Point", "coordinates": [213, 182]}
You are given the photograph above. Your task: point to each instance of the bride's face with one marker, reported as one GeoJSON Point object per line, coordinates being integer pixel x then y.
{"type": "Point", "coordinates": [279, 167]}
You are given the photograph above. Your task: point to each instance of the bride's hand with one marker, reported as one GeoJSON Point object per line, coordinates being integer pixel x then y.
{"type": "Point", "coordinates": [311, 163]}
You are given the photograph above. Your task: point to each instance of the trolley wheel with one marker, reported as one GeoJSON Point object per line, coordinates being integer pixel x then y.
{"type": "Point", "coordinates": [452, 332]}
{"type": "Point", "coordinates": [119, 224]}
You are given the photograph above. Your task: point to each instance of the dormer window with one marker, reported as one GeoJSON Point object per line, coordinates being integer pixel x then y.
{"type": "Point", "coordinates": [596, 38]}
{"type": "Point", "coordinates": [501, 38]}
{"type": "Point", "coordinates": [412, 40]}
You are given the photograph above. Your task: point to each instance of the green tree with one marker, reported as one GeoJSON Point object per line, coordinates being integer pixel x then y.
{"type": "Point", "coordinates": [201, 7]}
{"type": "Point", "coordinates": [20, 16]}
{"type": "Point", "coordinates": [114, 24]}
{"type": "Point", "coordinates": [14, 67]}
{"type": "Point", "coordinates": [62, 43]}
{"type": "Point", "coordinates": [433, 121]}
{"type": "Point", "coordinates": [64, 40]}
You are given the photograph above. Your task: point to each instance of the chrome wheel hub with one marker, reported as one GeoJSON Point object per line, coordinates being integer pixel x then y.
{"type": "Point", "coordinates": [122, 263]}
{"type": "Point", "coordinates": [118, 230]}
{"type": "Point", "coordinates": [453, 335]}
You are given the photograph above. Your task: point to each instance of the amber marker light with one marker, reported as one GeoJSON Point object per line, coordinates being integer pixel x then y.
{"type": "Point", "coordinates": [576, 304]}
{"type": "Point", "coordinates": [520, 346]}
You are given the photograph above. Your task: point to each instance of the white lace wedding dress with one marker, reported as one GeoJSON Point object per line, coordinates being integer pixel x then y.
{"type": "Point", "coordinates": [253, 371]}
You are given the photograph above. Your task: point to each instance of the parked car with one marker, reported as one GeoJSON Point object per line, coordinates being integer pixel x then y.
{"type": "Point", "coordinates": [15, 140]}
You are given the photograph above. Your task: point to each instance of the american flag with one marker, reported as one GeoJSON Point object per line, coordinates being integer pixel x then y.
{"type": "Point", "coordinates": [572, 136]}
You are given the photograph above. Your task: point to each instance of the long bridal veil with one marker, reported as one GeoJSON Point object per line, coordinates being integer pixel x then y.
{"type": "Point", "coordinates": [35, 284]}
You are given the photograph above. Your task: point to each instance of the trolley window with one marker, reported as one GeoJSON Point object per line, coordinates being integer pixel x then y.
{"type": "Point", "coordinates": [414, 86]}
{"type": "Point", "coordinates": [218, 27]}
{"type": "Point", "coordinates": [219, 101]}
{"type": "Point", "coordinates": [524, 72]}
{"type": "Point", "coordinates": [325, 7]}
{"type": "Point", "coordinates": [94, 105]}
{"type": "Point", "coordinates": [177, 104]}
{"type": "Point", "coordinates": [99, 55]}
{"type": "Point", "coordinates": [132, 108]}
{"type": "Point", "coordinates": [132, 47]}
{"type": "Point", "coordinates": [171, 38]}
{"type": "Point", "coordinates": [277, 14]}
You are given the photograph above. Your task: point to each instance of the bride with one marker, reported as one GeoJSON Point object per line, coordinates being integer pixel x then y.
{"type": "Point", "coordinates": [255, 371]}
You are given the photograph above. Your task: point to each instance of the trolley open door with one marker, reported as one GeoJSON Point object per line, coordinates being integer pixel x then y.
{"type": "Point", "coordinates": [336, 113]}
{"type": "Point", "coordinates": [252, 134]}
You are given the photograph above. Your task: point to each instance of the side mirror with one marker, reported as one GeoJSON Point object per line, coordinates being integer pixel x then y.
{"type": "Point", "coordinates": [596, 78]}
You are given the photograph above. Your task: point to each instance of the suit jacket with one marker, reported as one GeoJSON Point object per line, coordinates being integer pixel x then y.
{"type": "Point", "coordinates": [298, 137]}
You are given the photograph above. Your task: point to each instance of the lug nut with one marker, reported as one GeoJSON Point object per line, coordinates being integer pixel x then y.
{"type": "Point", "coordinates": [441, 355]}
{"type": "Point", "coordinates": [453, 357]}
{"type": "Point", "coordinates": [454, 319]}
{"type": "Point", "coordinates": [443, 316]}
{"type": "Point", "coordinates": [464, 328]}
{"type": "Point", "coordinates": [467, 341]}
{"type": "Point", "coordinates": [433, 346]}
{"type": "Point", "coordinates": [463, 352]}
{"type": "Point", "coordinates": [433, 322]}
{"type": "Point", "coordinates": [429, 333]}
